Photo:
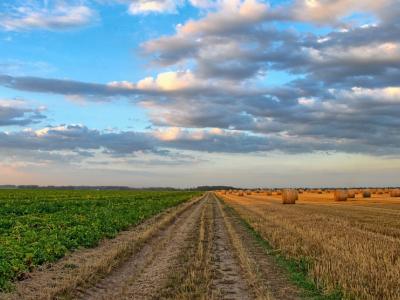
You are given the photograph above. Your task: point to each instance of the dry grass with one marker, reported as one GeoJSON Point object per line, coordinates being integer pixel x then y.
{"type": "Point", "coordinates": [354, 245]}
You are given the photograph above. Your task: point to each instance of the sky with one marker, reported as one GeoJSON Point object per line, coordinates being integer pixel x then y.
{"type": "Point", "coordinates": [195, 92]}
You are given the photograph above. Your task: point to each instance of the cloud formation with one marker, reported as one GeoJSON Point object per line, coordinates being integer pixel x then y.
{"type": "Point", "coordinates": [153, 6]}
{"type": "Point", "coordinates": [331, 12]}
{"type": "Point", "coordinates": [341, 94]}
{"type": "Point", "coordinates": [342, 78]}
{"type": "Point", "coordinates": [15, 113]}
{"type": "Point", "coordinates": [33, 15]}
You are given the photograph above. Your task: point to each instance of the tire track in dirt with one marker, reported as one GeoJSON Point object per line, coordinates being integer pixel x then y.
{"type": "Point", "coordinates": [209, 269]}
{"type": "Point", "coordinates": [145, 274]}
{"type": "Point", "coordinates": [229, 281]}
{"type": "Point", "coordinates": [192, 278]}
{"type": "Point", "coordinates": [264, 278]}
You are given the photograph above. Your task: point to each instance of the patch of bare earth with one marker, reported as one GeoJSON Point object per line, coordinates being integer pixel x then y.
{"type": "Point", "coordinates": [199, 250]}
{"type": "Point", "coordinates": [229, 281]}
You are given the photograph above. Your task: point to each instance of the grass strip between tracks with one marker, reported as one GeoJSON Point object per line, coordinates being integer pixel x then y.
{"type": "Point", "coordinates": [296, 268]}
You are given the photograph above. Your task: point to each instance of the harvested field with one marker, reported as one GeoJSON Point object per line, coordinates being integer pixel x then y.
{"type": "Point", "coordinates": [353, 245]}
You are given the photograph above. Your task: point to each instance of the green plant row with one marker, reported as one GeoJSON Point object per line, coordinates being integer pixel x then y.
{"type": "Point", "coordinates": [38, 226]}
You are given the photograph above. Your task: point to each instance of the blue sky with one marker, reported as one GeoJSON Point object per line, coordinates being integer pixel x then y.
{"type": "Point", "coordinates": [166, 92]}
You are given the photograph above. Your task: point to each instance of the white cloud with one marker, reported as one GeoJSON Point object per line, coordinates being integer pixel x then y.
{"type": "Point", "coordinates": [153, 6]}
{"type": "Point", "coordinates": [165, 81]}
{"type": "Point", "coordinates": [382, 95]}
{"type": "Point", "coordinates": [322, 11]}
{"type": "Point", "coordinates": [122, 84]}
{"type": "Point", "coordinates": [232, 14]}
{"type": "Point", "coordinates": [203, 3]}
{"type": "Point", "coordinates": [170, 134]}
{"type": "Point", "coordinates": [168, 81]}
{"type": "Point", "coordinates": [12, 103]}
{"type": "Point", "coordinates": [306, 101]}
{"type": "Point", "coordinates": [369, 54]}
{"type": "Point", "coordinates": [60, 17]}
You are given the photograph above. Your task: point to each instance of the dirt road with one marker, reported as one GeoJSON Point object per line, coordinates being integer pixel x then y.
{"type": "Point", "coordinates": [199, 250]}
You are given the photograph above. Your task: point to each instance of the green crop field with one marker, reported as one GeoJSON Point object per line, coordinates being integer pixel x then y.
{"type": "Point", "coordinates": [38, 226]}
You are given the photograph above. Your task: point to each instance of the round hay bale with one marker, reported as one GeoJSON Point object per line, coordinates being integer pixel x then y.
{"type": "Point", "coordinates": [366, 194]}
{"type": "Point", "coordinates": [279, 193]}
{"type": "Point", "coordinates": [248, 192]}
{"type": "Point", "coordinates": [241, 194]}
{"type": "Point", "coordinates": [340, 195]}
{"type": "Point", "coordinates": [351, 194]}
{"type": "Point", "coordinates": [395, 193]}
{"type": "Point", "coordinates": [289, 196]}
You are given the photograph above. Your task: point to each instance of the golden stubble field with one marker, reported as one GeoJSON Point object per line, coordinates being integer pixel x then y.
{"type": "Point", "coordinates": [353, 245]}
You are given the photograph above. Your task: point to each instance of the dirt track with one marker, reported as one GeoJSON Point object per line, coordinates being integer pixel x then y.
{"type": "Point", "coordinates": [198, 250]}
